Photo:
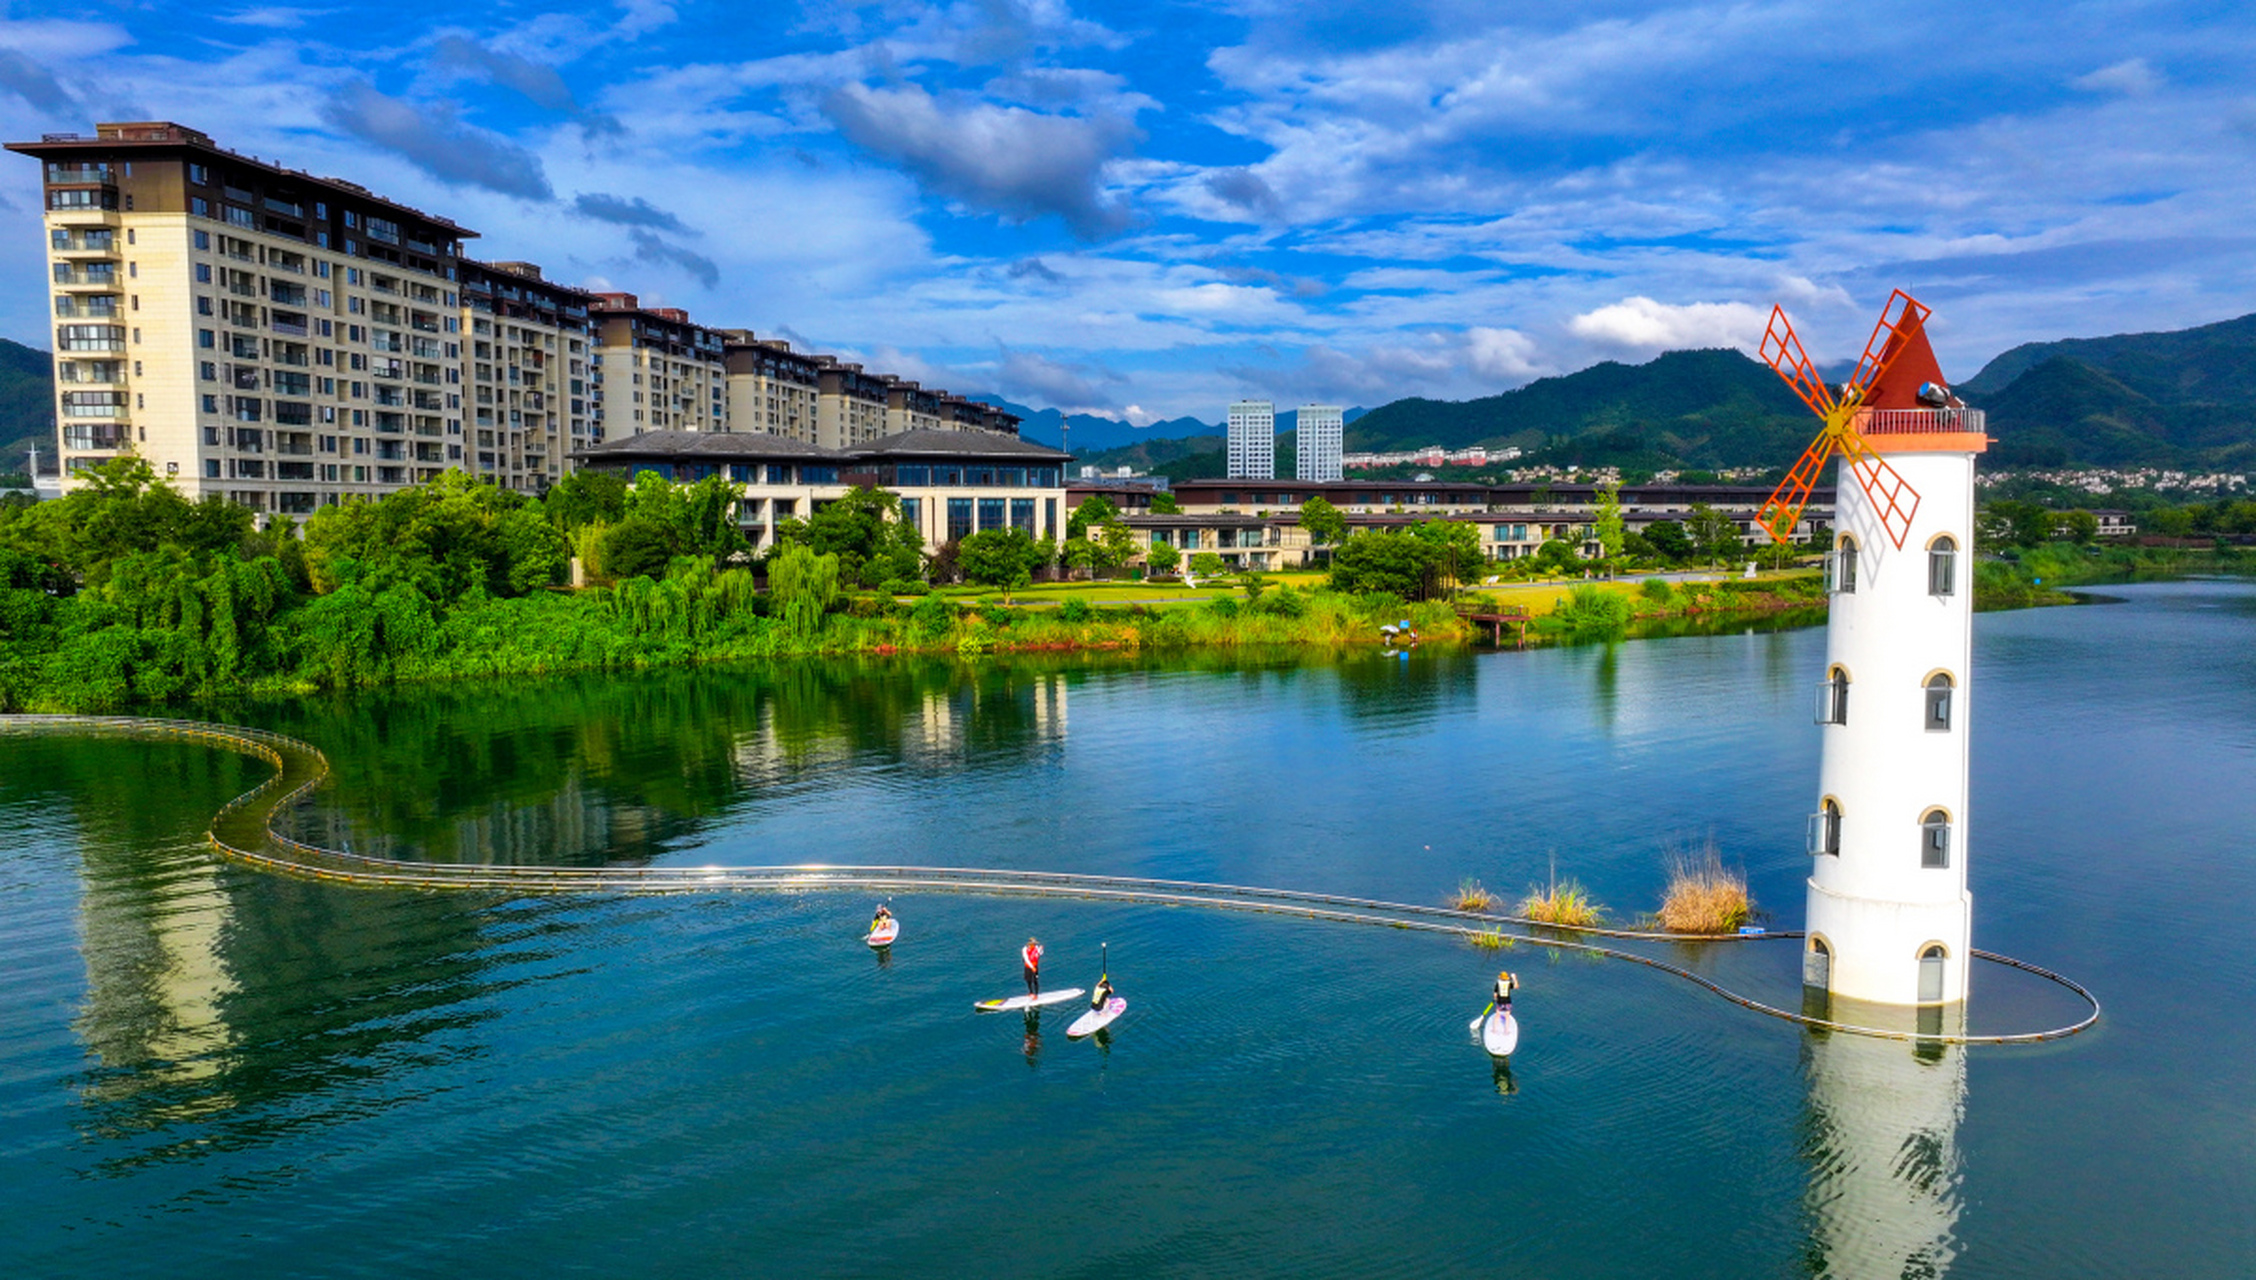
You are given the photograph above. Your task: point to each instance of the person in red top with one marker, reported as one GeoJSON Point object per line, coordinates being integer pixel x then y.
{"type": "Point", "coordinates": [1031, 953]}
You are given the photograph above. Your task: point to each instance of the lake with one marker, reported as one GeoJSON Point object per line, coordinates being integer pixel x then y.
{"type": "Point", "coordinates": [206, 1070]}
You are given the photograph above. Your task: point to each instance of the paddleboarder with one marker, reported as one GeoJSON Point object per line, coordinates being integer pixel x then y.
{"type": "Point", "coordinates": [1505, 985]}
{"type": "Point", "coordinates": [1102, 994]}
{"type": "Point", "coordinates": [1031, 953]}
{"type": "Point", "coordinates": [884, 913]}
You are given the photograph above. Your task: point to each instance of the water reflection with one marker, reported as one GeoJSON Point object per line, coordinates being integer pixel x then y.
{"type": "Point", "coordinates": [1880, 1138]}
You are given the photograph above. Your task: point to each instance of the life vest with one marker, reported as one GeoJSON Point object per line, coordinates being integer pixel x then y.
{"type": "Point", "coordinates": [1032, 955]}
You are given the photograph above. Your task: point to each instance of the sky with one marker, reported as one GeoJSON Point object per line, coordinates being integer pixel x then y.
{"type": "Point", "coordinates": [1151, 209]}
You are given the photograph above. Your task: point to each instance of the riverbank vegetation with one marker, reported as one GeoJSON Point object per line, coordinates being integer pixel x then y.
{"type": "Point", "coordinates": [1703, 895]}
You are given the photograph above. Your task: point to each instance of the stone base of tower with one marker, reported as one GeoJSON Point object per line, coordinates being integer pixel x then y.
{"type": "Point", "coordinates": [1863, 949]}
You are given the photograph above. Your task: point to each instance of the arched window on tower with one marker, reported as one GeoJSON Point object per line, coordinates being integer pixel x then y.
{"type": "Point", "coordinates": [1935, 839]}
{"type": "Point", "coordinates": [1841, 567]}
{"type": "Point", "coordinates": [1931, 958]}
{"type": "Point", "coordinates": [1938, 717]}
{"type": "Point", "coordinates": [1833, 698]}
{"type": "Point", "coordinates": [1942, 566]}
{"type": "Point", "coordinates": [1825, 829]}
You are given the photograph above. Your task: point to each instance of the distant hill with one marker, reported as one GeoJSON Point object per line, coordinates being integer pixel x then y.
{"type": "Point", "coordinates": [27, 406]}
{"type": "Point", "coordinates": [1094, 431]}
{"type": "Point", "coordinates": [1685, 408]}
{"type": "Point", "coordinates": [2185, 398]}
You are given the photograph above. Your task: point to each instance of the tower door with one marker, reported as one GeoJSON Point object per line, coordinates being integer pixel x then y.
{"type": "Point", "coordinates": [1817, 966]}
{"type": "Point", "coordinates": [1931, 976]}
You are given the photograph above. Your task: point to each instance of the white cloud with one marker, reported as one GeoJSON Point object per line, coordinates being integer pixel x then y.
{"type": "Point", "coordinates": [1641, 324]}
{"type": "Point", "coordinates": [2130, 76]}
{"type": "Point", "coordinates": [1502, 356]}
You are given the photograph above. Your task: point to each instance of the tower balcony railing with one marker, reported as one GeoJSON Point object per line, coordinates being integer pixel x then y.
{"type": "Point", "coordinates": [1919, 422]}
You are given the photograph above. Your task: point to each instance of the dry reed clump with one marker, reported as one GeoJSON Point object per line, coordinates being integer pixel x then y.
{"type": "Point", "coordinates": [1704, 896]}
{"type": "Point", "coordinates": [1491, 940]}
{"type": "Point", "coordinates": [1564, 903]}
{"type": "Point", "coordinates": [1472, 897]}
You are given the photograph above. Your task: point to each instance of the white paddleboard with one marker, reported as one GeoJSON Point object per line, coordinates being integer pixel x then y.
{"type": "Point", "coordinates": [1499, 1033]}
{"type": "Point", "coordinates": [1096, 1020]}
{"type": "Point", "coordinates": [1030, 1002]}
{"type": "Point", "coordinates": [883, 935]}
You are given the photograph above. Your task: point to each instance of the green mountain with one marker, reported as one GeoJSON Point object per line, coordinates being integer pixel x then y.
{"type": "Point", "coordinates": [27, 406]}
{"type": "Point", "coordinates": [2181, 398]}
{"type": "Point", "coordinates": [1685, 408]}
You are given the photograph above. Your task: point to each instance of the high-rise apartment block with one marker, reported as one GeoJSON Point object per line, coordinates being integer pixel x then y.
{"type": "Point", "coordinates": [1318, 430]}
{"type": "Point", "coordinates": [291, 341]}
{"type": "Point", "coordinates": [1253, 440]}
{"type": "Point", "coordinates": [530, 398]}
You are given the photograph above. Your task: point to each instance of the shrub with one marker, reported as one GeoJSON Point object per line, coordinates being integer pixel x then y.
{"type": "Point", "coordinates": [905, 587]}
{"type": "Point", "coordinates": [1657, 590]}
{"type": "Point", "coordinates": [1703, 895]}
{"type": "Point", "coordinates": [932, 616]}
{"type": "Point", "coordinates": [1076, 610]}
{"type": "Point", "coordinates": [1563, 903]}
{"type": "Point", "coordinates": [1472, 897]}
{"type": "Point", "coordinates": [1591, 609]}
{"type": "Point", "coordinates": [1284, 602]}
{"type": "Point", "coordinates": [1223, 607]}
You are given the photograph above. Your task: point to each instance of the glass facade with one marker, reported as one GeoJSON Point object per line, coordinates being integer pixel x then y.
{"type": "Point", "coordinates": [1022, 515]}
{"type": "Point", "coordinates": [959, 518]}
{"type": "Point", "coordinates": [990, 514]}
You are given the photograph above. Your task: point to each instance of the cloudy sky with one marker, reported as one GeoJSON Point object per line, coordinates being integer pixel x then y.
{"type": "Point", "coordinates": [1150, 209]}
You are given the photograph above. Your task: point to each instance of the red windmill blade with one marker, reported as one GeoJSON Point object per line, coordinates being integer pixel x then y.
{"type": "Point", "coordinates": [1893, 498]}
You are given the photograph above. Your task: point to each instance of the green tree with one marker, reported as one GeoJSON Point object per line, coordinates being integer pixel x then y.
{"type": "Point", "coordinates": [1325, 525]}
{"type": "Point", "coordinates": [586, 497]}
{"type": "Point", "coordinates": [1095, 509]}
{"type": "Point", "coordinates": [1609, 522]}
{"type": "Point", "coordinates": [1669, 540]}
{"type": "Point", "coordinates": [1114, 544]}
{"type": "Point", "coordinates": [636, 547]}
{"type": "Point", "coordinates": [450, 536]}
{"type": "Point", "coordinates": [1163, 557]}
{"type": "Point", "coordinates": [1206, 564]}
{"type": "Point", "coordinates": [699, 519]}
{"type": "Point", "coordinates": [1457, 549]}
{"type": "Point", "coordinates": [1004, 558]}
{"type": "Point", "coordinates": [864, 529]}
{"type": "Point", "coordinates": [804, 583]}
{"type": "Point", "coordinates": [1390, 561]}
{"type": "Point", "coordinates": [1714, 534]}
{"type": "Point", "coordinates": [1164, 504]}
{"type": "Point", "coordinates": [2079, 527]}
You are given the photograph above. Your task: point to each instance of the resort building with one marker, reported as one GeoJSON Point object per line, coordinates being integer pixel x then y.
{"type": "Point", "coordinates": [529, 389]}
{"type": "Point", "coordinates": [849, 404]}
{"type": "Point", "coordinates": [1253, 440]}
{"type": "Point", "coordinates": [283, 340]}
{"type": "Point", "coordinates": [1318, 430]}
{"type": "Point", "coordinates": [951, 483]}
{"type": "Point", "coordinates": [657, 371]}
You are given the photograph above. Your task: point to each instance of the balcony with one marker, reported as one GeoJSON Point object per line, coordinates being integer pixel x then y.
{"type": "Point", "coordinates": [92, 306]}
{"type": "Point", "coordinates": [69, 174]}
{"type": "Point", "coordinates": [88, 240]}
{"type": "Point", "coordinates": [1920, 422]}
{"type": "Point", "coordinates": [293, 471]}
{"type": "Point", "coordinates": [88, 275]}
{"type": "Point", "coordinates": [94, 435]}
{"type": "Point", "coordinates": [290, 322]}
{"type": "Point", "coordinates": [90, 337]}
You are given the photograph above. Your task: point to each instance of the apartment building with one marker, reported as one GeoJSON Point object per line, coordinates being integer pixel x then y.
{"type": "Point", "coordinates": [1318, 432]}
{"type": "Point", "coordinates": [849, 404]}
{"type": "Point", "coordinates": [1253, 440]}
{"type": "Point", "coordinates": [910, 407]}
{"type": "Point", "coordinates": [655, 370]}
{"type": "Point", "coordinates": [529, 398]}
{"type": "Point", "coordinates": [285, 340]}
{"type": "Point", "coordinates": [771, 388]}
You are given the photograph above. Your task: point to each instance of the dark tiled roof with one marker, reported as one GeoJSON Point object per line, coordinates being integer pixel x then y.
{"type": "Point", "coordinates": [710, 444]}
{"type": "Point", "coordinates": [960, 444]}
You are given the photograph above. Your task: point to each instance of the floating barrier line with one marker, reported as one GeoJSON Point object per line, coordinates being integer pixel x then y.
{"type": "Point", "coordinates": [243, 831]}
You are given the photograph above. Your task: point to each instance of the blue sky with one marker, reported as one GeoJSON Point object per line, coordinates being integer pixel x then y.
{"type": "Point", "coordinates": [1150, 209]}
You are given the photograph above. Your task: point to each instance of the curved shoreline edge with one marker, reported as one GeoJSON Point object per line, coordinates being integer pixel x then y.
{"type": "Point", "coordinates": [243, 831]}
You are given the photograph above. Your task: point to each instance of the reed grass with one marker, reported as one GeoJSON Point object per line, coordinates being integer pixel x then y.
{"type": "Point", "coordinates": [1471, 896]}
{"type": "Point", "coordinates": [1564, 902]}
{"type": "Point", "coordinates": [1491, 940]}
{"type": "Point", "coordinates": [1703, 896]}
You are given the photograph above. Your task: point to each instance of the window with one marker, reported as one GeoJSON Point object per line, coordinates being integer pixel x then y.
{"type": "Point", "coordinates": [1934, 840]}
{"type": "Point", "coordinates": [990, 514]}
{"type": "Point", "coordinates": [199, 175]}
{"type": "Point", "coordinates": [203, 240]}
{"type": "Point", "coordinates": [1833, 698]}
{"type": "Point", "coordinates": [912, 513]}
{"type": "Point", "coordinates": [1938, 703]}
{"type": "Point", "coordinates": [1841, 568]}
{"type": "Point", "coordinates": [959, 518]}
{"type": "Point", "coordinates": [1942, 567]}
{"type": "Point", "coordinates": [1931, 959]}
{"type": "Point", "coordinates": [1022, 514]}
{"type": "Point", "coordinates": [1825, 829]}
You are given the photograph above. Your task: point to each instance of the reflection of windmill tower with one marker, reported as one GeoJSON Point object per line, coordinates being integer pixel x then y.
{"type": "Point", "coordinates": [1889, 915]}
{"type": "Point", "coordinates": [1881, 1138]}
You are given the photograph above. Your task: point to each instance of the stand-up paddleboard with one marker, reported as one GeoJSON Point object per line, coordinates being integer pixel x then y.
{"type": "Point", "coordinates": [883, 935]}
{"type": "Point", "coordinates": [1096, 1020]}
{"type": "Point", "coordinates": [1030, 1002]}
{"type": "Point", "coordinates": [1499, 1033]}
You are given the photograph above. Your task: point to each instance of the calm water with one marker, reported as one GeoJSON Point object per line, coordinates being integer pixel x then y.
{"type": "Point", "coordinates": [205, 1071]}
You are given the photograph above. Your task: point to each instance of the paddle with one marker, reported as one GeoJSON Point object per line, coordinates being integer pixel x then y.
{"type": "Point", "coordinates": [1475, 1027]}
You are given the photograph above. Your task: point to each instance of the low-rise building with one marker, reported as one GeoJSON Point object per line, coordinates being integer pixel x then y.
{"type": "Point", "coordinates": [951, 483]}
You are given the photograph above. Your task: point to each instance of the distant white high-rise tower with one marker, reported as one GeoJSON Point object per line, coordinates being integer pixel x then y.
{"type": "Point", "coordinates": [1253, 440]}
{"type": "Point", "coordinates": [1317, 432]}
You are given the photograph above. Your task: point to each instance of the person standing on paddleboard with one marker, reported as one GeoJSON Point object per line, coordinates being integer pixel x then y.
{"type": "Point", "coordinates": [1031, 953]}
{"type": "Point", "coordinates": [1103, 993]}
{"type": "Point", "coordinates": [1505, 985]}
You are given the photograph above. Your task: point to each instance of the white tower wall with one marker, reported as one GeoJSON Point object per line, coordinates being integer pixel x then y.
{"type": "Point", "coordinates": [1874, 906]}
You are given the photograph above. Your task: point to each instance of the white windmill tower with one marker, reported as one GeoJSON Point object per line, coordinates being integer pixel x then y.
{"type": "Point", "coordinates": [1889, 915]}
